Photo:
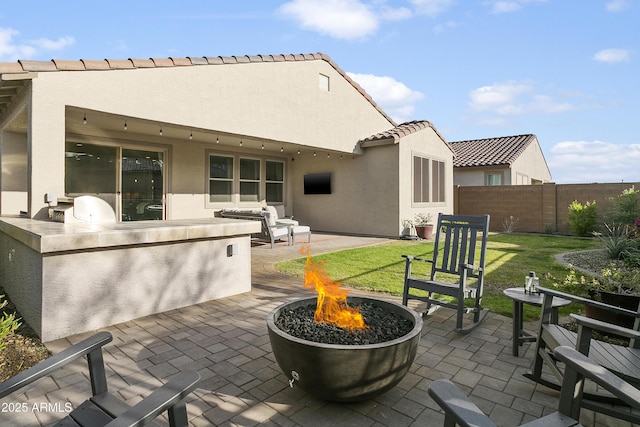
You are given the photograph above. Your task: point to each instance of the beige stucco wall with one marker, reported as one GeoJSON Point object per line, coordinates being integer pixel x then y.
{"type": "Point", "coordinates": [373, 193]}
{"type": "Point", "coordinates": [274, 101]}
{"type": "Point", "coordinates": [364, 198]}
{"type": "Point", "coordinates": [425, 143]}
{"type": "Point", "coordinates": [13, 152]}
{"type": "Point", "coordinates": [532, 164]}
{"type": "Point", "coordinates": [477, 175]}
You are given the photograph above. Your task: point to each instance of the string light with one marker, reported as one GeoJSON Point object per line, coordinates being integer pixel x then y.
{"type": "Point", "coordinates": [298, 151]}
{"type": "Point", "coordinates": [160, 130]}
{"type": "Point", "coordinates": [262, 147]}
{"type": "Point", "coordinates": [125, 124]}
{"type": "Point", "coordinates": [217, 140]}
{"type": "Point", "coordinates": [84, 119]}
{"type": "Point", "coordinates": [191, 136]}
{"type": "Point", "coordinates": [281, 149]}
{"type": "Point", "coordinates": [240, 142]}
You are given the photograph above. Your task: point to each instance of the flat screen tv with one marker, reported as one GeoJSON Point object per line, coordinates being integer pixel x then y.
{"type": "Point", "coordinates": [317, 183]}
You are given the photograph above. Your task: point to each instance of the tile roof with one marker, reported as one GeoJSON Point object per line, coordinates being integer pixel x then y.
{"type": "Point", "coordinates": [490, 151]}
{"type": "Point", "coordinates": [14, 70]}
{"type": "Point", "coordinates": [394, 134]}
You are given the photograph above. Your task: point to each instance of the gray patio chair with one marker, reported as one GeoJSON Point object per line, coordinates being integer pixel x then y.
{"type": "Point", "coordinates": [459, 410]}
{"type": "Point", "coordinates": [622, 360]}
{"type": "Point", "coordinates": [459, 253]}
{"type": "Point", "coordinates": [103, 408]}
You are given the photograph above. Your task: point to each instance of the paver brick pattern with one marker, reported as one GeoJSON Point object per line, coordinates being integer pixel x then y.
{"type": "Point", "coordinates": [226, 341]}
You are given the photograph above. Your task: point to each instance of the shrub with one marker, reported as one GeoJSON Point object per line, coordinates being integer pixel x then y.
{"type": "Point", "coordinates": [8, 323]}
{"type": "Point", "coordinates": [572, 284]}
{"type": "Point", "coordinates": [619, 243]}
{"type": "Point", "coordinates": [625, 207]}
{"type": "Point", "coordinates": [582, 218]}
{"type": "Point", "coordinates": [509, 225]}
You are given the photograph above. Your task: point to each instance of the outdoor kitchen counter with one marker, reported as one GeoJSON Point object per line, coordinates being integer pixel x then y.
{"type": "Point", "coordinates": [70, 278]}
{"type": "Point", "coordinates": [49, 236]}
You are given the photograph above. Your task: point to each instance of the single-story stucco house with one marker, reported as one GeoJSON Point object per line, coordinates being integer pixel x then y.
{"type": "Point", "coordinates": [166, 144]}
{"type": "Point", "coordinates": [507, 160]}
{"type": "Point", "coordinates": [215, 132]}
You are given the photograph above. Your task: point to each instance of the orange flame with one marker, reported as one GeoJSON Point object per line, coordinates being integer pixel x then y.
{"type": "Point", "coordinates": [332, 300]}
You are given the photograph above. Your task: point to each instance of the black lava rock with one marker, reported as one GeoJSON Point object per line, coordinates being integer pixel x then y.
{"type": "Point", "coordinates": [382, 326]}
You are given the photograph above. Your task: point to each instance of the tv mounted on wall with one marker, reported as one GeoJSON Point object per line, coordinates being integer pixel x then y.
{"type": "Point", "coordinates": [317, 183]}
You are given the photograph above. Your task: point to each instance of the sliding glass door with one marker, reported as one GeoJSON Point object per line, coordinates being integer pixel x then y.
{"type": "Point", "coordinates": [142, 185]}
{"type": "Point", "coordinates": [131, 181]}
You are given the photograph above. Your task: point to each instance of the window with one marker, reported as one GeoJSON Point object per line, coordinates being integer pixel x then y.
{"type": "Point", "coordinates": [90, 169]}
{"type": "Point", "coordinates": [275, 181]}
{"type": "Point", "coordinates": [437, 181]}
{"type": "Point", "coordinates": [220, 179]}
{"type": "Point", "coordinates": [420, 180]}
{"type": "Point", "coordinates": [428, 180]}
{"type": "Point", "coordinates": [249, 180]}
{"type": "Point", "coordinates": [494, 179]}
{"type": "Point", "coordinates": [323, 83]}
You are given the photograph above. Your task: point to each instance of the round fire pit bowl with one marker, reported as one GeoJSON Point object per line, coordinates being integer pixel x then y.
{"type": "Point", "coordinates": [344, 373]}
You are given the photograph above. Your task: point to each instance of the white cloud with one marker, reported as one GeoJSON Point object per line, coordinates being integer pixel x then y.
{"type": "Point", "coordinates": [11, 50]}
{"type": "Point", "coordinates": [508, 6]}
{"type": "Point", "coordinates": [612, 55]}
{"type": "Point", "coordinates": [617, 5]}
{"type": "Point", "coordinates": [341, 19]}
{"type": "Point", "coordinates": [59, 44]}
{"type": "Point", "coordinates": [394, 97]}
{"type": "Point", "coordinates": [431, 7]}
{"type": "Point", "coordinates": [512, 98]}
{"type": "Point", "coordinates": [592, 161]}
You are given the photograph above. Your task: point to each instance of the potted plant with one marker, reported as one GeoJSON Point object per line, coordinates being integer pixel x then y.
{"type": "Point", "coordinates": [620, 287]}
{"type": "Point", "coordinates": [408, 230]}
{"type": "Point", "coordinates": [423, 225]}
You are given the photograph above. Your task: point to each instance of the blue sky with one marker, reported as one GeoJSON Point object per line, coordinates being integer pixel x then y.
{"type": "Point", "coordinates": [566, 71]}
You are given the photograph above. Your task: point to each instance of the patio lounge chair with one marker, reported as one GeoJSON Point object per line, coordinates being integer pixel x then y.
{"type": "Point", "coordinates": [623, 361]}
{"type": "Point", "coordinates": [459, 253]}
{"type": "Point", "coordinates": [103, 408]}
{"type": "Point", "coordinates": [460, 410]}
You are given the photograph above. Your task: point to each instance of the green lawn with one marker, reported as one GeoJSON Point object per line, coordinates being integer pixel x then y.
{"type": "Point", "coordinates": [510, 256]}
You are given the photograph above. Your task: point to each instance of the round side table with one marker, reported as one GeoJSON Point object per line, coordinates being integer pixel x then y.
{"type": "Point", "coordinates": [519, 298]}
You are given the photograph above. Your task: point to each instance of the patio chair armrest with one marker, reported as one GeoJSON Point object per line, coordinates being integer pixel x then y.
{"type": "Point", "coordinates": [169, 397]}
{"type": "Point", "coordinates": [609, 328]}
{"type": "Point", "coordinates": [44, 368]}
{"type": "Point", "coordinates": [472, 267]}
{"type": "Point", "coordinates": [457, 406]}
{"type": "Point", "coordinates": [415, 258]}
{"type": "Point", "coordinates": [587, 301]}
{"type": "Point", "coordinates": [578, 362]}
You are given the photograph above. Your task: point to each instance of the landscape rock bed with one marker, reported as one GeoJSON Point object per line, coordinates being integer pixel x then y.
{"type": "Point", "coordinates": [382, 326]}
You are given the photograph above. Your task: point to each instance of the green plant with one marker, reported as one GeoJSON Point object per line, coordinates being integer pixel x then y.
{"type": "Point", "coordinates": [625, 207]}
{"type": "Point", "coordinates": [620, 280]}
{"type": "Point", "coordinates": [549, 229]}
{"type": "Point", "coordinates": [509, 225]}
{"type": "Point", "coordinates": [423, 219]}
{"type": "Point", "coordinates": [8, 323]}
{"type": "Point", "coordinates": [572, 284]}
{"type": "Point", "coordinates": [582, 218]}
{"type": "Point", "coordinates": [619, 243]}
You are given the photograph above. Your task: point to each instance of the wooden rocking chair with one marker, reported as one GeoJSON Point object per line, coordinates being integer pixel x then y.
{"type": "Point", "coordinates": [459, 252]}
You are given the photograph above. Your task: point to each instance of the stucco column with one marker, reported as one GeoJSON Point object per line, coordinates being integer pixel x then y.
{"type": "Point", "coordinates": [45, 142]}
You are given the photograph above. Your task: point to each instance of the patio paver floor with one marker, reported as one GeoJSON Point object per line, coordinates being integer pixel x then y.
{"type": "Point", "coordinates": [226, 341]}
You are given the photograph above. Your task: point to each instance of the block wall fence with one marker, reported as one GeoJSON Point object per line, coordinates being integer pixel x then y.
{"type": "Point", "coordinates": [537, 208]}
